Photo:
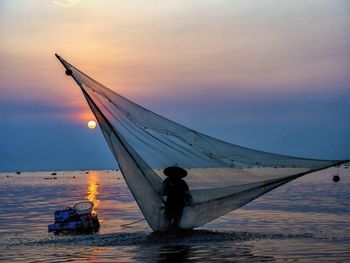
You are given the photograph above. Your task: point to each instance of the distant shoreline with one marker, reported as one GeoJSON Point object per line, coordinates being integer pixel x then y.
{"type": "Point", "coordinates": [58, 170]}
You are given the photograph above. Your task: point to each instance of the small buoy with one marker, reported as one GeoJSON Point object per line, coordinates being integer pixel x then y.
{"type": "Point", "coordinates": [336, 178]}
{"type": "Point", "coordinates": [18, 172]}
{"type": "Point", "coordinates": [53, 173]}
{"type": "Point", "coordinates": [86, 172]}
{"type": "Point", "coordinates": [69, 72]}
{"type": "Point", "coordinates": [73, 177]}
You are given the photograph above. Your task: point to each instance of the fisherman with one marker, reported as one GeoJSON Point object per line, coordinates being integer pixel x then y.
{"type": "Point", "coordinates": [178, 195]}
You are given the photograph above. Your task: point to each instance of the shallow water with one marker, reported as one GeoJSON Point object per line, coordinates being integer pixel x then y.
{"type": "Point", "coordinates": [307, 220]}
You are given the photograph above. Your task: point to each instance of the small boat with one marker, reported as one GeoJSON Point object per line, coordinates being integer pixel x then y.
{"type": "Point", "coordinates": [76, 219]}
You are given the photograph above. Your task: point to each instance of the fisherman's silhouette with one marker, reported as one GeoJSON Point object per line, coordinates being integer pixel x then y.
{"type": "Point", "coordinates": [178, 195]}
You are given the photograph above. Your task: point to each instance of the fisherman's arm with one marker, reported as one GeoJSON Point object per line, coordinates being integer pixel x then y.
{"type": "Point", "coordinates": [187, 194]}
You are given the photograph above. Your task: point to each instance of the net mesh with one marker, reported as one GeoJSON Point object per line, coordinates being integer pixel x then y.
{"type": "Point", "coordinates": [221, 176]}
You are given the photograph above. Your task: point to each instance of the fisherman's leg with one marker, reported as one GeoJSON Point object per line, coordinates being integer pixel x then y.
{"type": "Point", "coordinates": [169, 213]}
{"type": "Point", "coordinates": [177, 216]}
{"type": "Point", "coordinates": [167, 216]}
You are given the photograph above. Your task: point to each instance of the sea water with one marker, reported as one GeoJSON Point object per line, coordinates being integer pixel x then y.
{"type": "Point", "coordinates": [307, 220]}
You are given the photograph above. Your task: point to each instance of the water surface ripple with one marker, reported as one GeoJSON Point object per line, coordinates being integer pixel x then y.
{"type": "Point", "coordinates": [307, 220]}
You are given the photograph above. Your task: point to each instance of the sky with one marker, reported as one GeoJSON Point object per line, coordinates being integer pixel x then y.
{"type": "Point", "coordinates": [270, 75]}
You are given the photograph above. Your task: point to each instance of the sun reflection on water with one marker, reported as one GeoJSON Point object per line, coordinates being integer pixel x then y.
{"type": "Point", "coordinates": [92, 195]}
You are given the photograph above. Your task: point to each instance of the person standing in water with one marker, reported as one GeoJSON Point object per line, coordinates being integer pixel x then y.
{"type": "Point", "coordinates": [178, 195]}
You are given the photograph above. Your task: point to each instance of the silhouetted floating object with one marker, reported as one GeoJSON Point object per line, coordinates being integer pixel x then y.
{"type": "Point", "coordinates": [86, 172]}
{"type": "Point", "coordinates": [117, 170]}
{"type": "Point", "coordinates": [18, 172]}
{"type": "Point", "coordinates": [47, 178]}
{"type": "Point", "coordinates": [336, 178]}
{"type": "Point", "coordinates": [73, 177]}
{"type": "Point", "coordinates": [55, 178]}
{"type": "Point", "coordinates": [7, 176]}
{"type": "Point", "coordinates": [69, 72]}
{"type": "Point", "coordinates": [53, 173]}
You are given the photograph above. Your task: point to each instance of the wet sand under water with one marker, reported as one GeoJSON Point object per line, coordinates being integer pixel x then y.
{"type": "Point", "coordinates": [307, 220]}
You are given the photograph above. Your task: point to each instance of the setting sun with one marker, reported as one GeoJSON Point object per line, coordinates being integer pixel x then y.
{"type": "Point", "coordinates": [92, 124]}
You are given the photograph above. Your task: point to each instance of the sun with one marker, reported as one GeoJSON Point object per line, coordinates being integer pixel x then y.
{"type": "Point", "coordinates": [92, 124]}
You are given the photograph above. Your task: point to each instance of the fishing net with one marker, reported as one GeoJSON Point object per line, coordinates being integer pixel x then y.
{"type": "Point", "coordinates": [221, 176]}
